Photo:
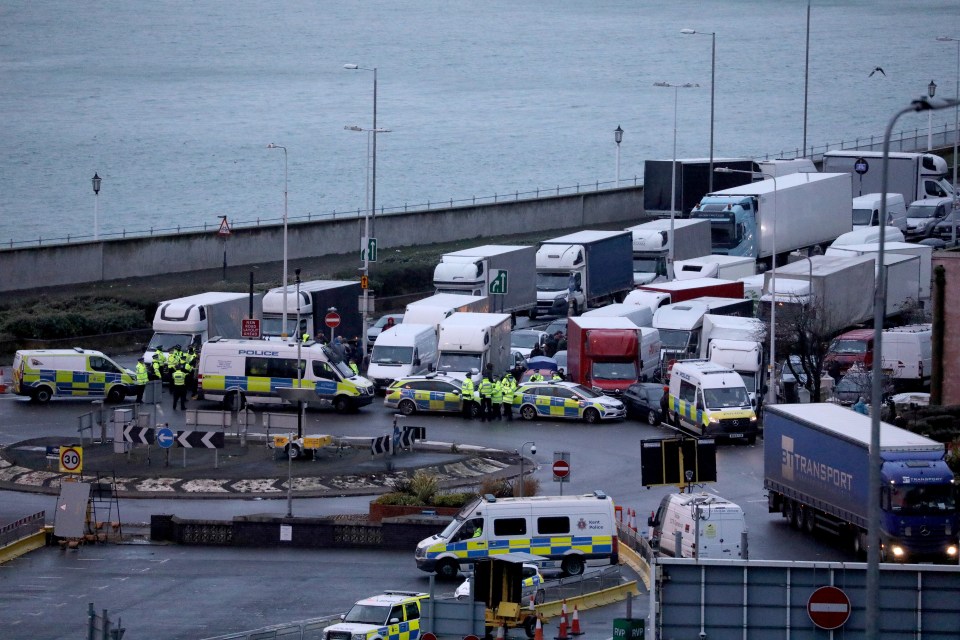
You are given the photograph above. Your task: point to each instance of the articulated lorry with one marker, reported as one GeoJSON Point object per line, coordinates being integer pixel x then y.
{"type": "Point", "coordinates": [923, 252]}
{"type": "Point", "coordinates": [191, 321]}
{"type": "Point", "coordinates": [507, 274]}
{"type": "Point", "coordinates": [317, 297]}
{"type": "Point", "coordinates": [795, 211]}
{"type": "Point", "coordinates": [582, 270]}
{"type": "Point", "coordinates": [651, 246]}
{"type": "Point", "coordinates": [690, 288]}
{"type": "Point", "coordinates": [816, 464]}
{"type": "Point", "coordinates": [915, 176]}
{"type": "Point", "coordinates": [609, 354]}
{"type": "Point", "coordinates": [681, 324]}
{"type": "Point", "coordinates": [736, 343]}
{"type": "Point", "coordinates": [469, 341]}
{"type": "Point", "coordinates": [691, 179]}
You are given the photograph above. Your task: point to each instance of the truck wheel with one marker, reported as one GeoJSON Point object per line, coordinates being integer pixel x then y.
{"type": "Point", "coordinates": [530, 626]}
{"type": "Point", "coordinates": [809, 520]}
{"type": "Point", "coordinates": [591, 416]}
{"type": "Point", "coordinates": [407, 407]}
{"type": "Point", "coordinates": [341, 404]}
{"type": "Point", "coordinates": [292, 450]}
{"type": "Point", "coordinates": [448, 568]}
{"type": "Point", "coordinates": [527, 412]}
{"type": "Point", "coordinates": [42, 395]}
{"type": "Point", "coordinates": [572, 566]}
{"type": "Point", "coordinates": [796, 514]}
{"type": "Point", "coordinates": [116, 394]}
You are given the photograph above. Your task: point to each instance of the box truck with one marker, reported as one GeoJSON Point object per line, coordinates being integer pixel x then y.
{"type": "Point", "coordinates": [691, 179]}
{"type": "Point", "coordinates": [736, 343]}
{"type": "Point", "coordinates": [796, 211]}
{"type": "Point", "coordinates": [715, 266]}
{"type": "Point", "coordinates": [433, 309]}
{"type": "Point", "coordinates": [651, 246]}
{"type": "Point", "coordinates": [479, 341]}
{"type": "Point", "coordinates": [681, 290]}
{"type": "Point", "coordinates": [582, 270]}
{"type": "Point", "coordinates": [507, 274]}
{"type": "Point", "coordinates": [816, 463]}
{"type": "Point", "coordinates": [640, 315]}
{"type": "Point", "coordinates": [913, 175]}
{"type": "Point", "coordinates": [609, 354]}
{"type": "Point", "coordinates": [923, 252]}
{"type": "Point", "coordinates": [317, 298]}
{"type": "Point", "coordinates": [191, 321]}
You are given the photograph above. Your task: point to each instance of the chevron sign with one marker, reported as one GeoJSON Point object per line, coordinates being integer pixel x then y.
{"type": "Point", "coordinates": [138, 435]}
{"type": "Point", "coordinates": [200, 439]}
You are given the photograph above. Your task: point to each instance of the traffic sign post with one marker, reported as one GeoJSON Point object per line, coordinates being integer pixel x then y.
{"type": "Point", "coordinates": [71, 459]}
{"type": "Point", "coordinates": [332, 320]}
{"type": "Point", "coordinates": [165, 438]}
{"type": "Point", "coordinates": [861, 166]}
{"type": "Point", "coordinates": [828, 607]}
{"type": "Point", "coordinates": [561, 468]}
{"type": "Point", "coordinates": [368, 249]}
{"type": "Point", "coordinates": [498, 282]}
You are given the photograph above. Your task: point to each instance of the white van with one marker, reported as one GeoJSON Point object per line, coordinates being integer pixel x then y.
{"type": "Point", "coordinates": [907, 352]}
{"type": "Point", "coordinates": [571, 531]}
{"type": "Point", "coordinates": [400, 351]}
{"type": "Point", "coordinates": [866, 210]}
{"type": "Point", "coordinates": [253, 370]}
{"type": "Point", "coordinates": [42, 374]}
{"type": "Point", "coordinates": [709, 400]}
{"type": "Point", "coordinates": [709, 526]}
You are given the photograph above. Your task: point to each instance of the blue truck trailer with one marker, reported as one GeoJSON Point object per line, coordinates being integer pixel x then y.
{"type": "Point", "coordinates": [816, 468]}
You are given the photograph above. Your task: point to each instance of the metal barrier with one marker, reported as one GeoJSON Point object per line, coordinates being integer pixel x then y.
{"type": "Point", "coordinates": [22, 528]}
{"type": "Point", "coordinates": [311, 629]}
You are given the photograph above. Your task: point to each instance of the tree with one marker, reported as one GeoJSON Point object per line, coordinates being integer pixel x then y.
{"type": "Point", "coordinates": [803, 331]}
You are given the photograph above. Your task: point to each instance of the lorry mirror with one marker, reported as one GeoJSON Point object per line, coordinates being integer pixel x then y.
{"type": "Point", "coordinates": [416, 362]}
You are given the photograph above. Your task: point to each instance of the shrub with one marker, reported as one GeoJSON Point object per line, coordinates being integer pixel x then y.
{"type": "Point", "coordinates": [424, 486]}
{"type": "Point", "coordinates": [396, 498]}
{"type": "Point", "coordinates": [452, 499]}
{"type": "Point", "coordinates": [498, 487]}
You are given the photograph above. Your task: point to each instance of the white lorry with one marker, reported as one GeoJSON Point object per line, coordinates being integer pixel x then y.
{"type": "Point", "coordinates": [433, 309]}
{"type": "Point", "coordinates": [470, 341]}
{"type": "Point", "coordinates": [715, 266]}
{"type": "Point", "coordinates": [191, 321]}
{"type": "Point", "coordinates": [317, 297]}
{"type": "Point", "coordinates": [507, 274]}
{"type": "Point", "coordinates": [923, 252]}
{"type": "Point", "coordinates": [736, 343]}
{"type": "Point", "coordinates": [913, 175]}
{"type": "Point", "coordinates": [651, 246]}
{"type": "Point", "coordinates": [795, 211]}
{"type": "Point", "coordinates": [402, 350]}
{"type": "Point", "coordinates": [582, 270]}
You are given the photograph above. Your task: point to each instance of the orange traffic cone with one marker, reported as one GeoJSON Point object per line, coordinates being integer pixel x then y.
{"type": "Point", "coordinates": [562, 633]}
{"type": "Point", "coordinates": [501, 632]}
{"type": "Point", "coordinates": [538, 630]}
{"type": "Point", "coordinates": [533, 605]}
{"type": "Point", "coordinates": [633, 520]}
{"type": "Point", "coordinates": [3, 384]}
{"type": "Point", "coordinates": [575, 623]}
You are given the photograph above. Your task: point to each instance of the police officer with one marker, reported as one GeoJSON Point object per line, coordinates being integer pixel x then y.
{"type": "Point", "coordinates": [354, 367]}
{"type": "Point", "coordinates": [557, 376]}
{"type": "Point", "coordinates": [536, 377]}
{"type": "Point", "coordinates": [508, 384]}
{"type": "Point", "coordinates": [305, 338]}
{"type": "Point", "coordinates": [159, 363]}
{"type": "Point", "coordinates": [191, 356]}
{"type": "Point", "coordinates": [466, 397]}
{"type": "Point", "coordinates": [142, 378]}
{"type": "Point", "coordinates": [191, 385]}
{"type": "Point", "coordinates": [496, 399]}
{"type": "Point", "coordinates": [175, 358]}
{"type": "Point", "coordinates": [178, 384]}
{"type": "Point", "coordinates": [486, 399]}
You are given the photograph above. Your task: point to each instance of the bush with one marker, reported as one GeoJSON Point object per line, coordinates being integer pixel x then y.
{"type": "Point", "coordinates": [424, 486]}
{"type": "Point", "coordinates": [397, 498]}
{"type": "Point", "coordinates": [452, 499]}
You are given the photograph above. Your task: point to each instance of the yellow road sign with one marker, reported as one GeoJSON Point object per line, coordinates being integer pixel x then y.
{"type": "Point", "coordinates": [71, 459]}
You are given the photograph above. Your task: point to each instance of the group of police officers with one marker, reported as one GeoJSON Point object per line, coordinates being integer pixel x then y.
{"type": "Point", "coordinates": [179, 368]}
{"type": "Point", "coordinates": [493, 395]}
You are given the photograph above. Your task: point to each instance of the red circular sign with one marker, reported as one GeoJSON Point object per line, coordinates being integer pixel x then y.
{"type": "Point", "coordinates": [428, 636]}
{"type": "Point", "coordinates": [828, 607]}
{"type": "Point", "coordinates": [561, 468]}
{"type": "Point", "coordinates": [332, 319]}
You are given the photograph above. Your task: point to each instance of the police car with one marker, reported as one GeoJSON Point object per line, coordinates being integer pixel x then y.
{"type": "Point", "coordinates": [532, 584]}
{"type": "Point", "coordinates": [433, 392]}
{"type": "Point", "coordinates": [565, 400]}
{"type": "Point", "coordinates": [392, 615]}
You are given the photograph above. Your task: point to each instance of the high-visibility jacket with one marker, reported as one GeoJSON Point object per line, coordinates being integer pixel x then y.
{"type": "Point", "coordinates": [160, 356]}
{"type": "Point", "coordinates": [486, 388]}
{"type": "Point", "coordinates": [174, 359]}
{"type": "Point", "coordinates": [142, 377]}
{"type": "Point", "coordinates": [497, 395]}
{"type": "Point", "coordinates": [157, 367]}
{"type": "Point", "coordinates": [466, 389]}
{"type": "Point", "coordinates": [536, 377]}
{"type": "Point", "coordinates": [187, 367]}
{"type": "Point", "coordinates": [179, 378]}
{"type": "Point", "coordinates": [509, 385]}
{"type": "Point", "coordinates": [355, 368]}
{"type": "Point", "coordinates": [556, 377]}
{"type": "Point", "coordinates": [305, 337]}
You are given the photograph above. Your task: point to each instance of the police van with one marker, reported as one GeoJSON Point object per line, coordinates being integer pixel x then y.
{"type": "Point", "coordinates": [711, 401]}
{"type": "Point", "coordinates": [708, 526]}
{"type": "Point", "coordinates": [571, 531]}
{"type": "Point", "coordinates": [43, 374]}
{"type": "Point", "coordinates": [241, 371]}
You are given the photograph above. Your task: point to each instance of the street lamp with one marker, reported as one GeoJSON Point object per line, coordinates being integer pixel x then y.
{"type": "Point", "coordinates": [931, 91]}
{"type": "Point", "coordinates": [923, 103]}
{"type": "Point", "coordinates": [283, 331]}
{"type": "Point", "coordinates": [713, 69]}
{"type": "Point", "coordinates": [533, 452]}
{"type": "Point", "coordinates": [956, 130]}
{"type": "Point", "coordinates": [618, 138]}
{"type": "Point", "coordinates": [96, 205]}
{"type": "Point", "coordinates": [673, 177]}
{"type": "Point", "coordinates": [373, 129]}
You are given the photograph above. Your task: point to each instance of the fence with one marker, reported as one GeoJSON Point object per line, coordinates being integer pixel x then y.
{"type": "Point", "coordinates": [19, 529]}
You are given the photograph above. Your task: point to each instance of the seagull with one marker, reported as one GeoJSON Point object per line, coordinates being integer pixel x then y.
{"type": "Point", "coordinates": [875, 69]}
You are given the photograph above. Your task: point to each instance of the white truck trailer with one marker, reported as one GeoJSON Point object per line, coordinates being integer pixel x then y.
{"type": "Point", "coordinates": [736, 343]}
{"type": "Point", "coordinates": [191, 321]}
{"type": "Point", "coordinates": [470, 341]}
{"type": "Point", "coordinates": [715, 266]}
{"type": "Point", "coordinates": [505, 273]}
{"type": "Point", "coordinates": [923, 252]}
{"type": "Point", "coordinates": [651, 246]}
{"type": "Point", "coordinates": [317, 297]}
{"type": "Point", "coordinates": [913, 175]}
{"type": "Point", "coordinates": [433, 309]}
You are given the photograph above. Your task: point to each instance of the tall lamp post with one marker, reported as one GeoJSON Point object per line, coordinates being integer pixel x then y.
{"type": "Point", "coordinates": [96, 205]}
{"type": "Point", "coordinates": [713, 74]}
{"type": "Point", "coordinates": [283, 331]}
{"type": "Point", "coordinates": [771, 369]}
{"type": "Point", "coordinates": [374, 131]}
{"type": "Point", "coordinates": [533, 452]}
{"type": "Point", "coordinates": [618, 138]}
{"type": "Point", "coordinates": [673, 175]}
{"type": "Point", "coordinates": [876, 397]}
{"type": "Point", "coordinates": [931, 91]}
{"type": "Point", "coordinates": [956, 130]}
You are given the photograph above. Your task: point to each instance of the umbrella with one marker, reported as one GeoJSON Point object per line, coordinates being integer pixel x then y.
{"type": "Point", "coordinates": [542, 363]}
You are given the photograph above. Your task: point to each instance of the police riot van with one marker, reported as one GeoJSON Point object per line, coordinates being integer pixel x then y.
{"type": "Point", "coordinates": [709, 526]}
{"type": "Point", "coordinates": [571, 531]}
{"type": "Point", "coordinates": [711, 401]}
{"type": "Point", "coordinates": [240, 371]}
{"type": "Point", "coordinates": [43, 374]}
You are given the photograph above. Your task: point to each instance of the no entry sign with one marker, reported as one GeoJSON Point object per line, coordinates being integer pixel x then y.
{"type": "Point", "coordinates": [561, 468]}
{"type": "Point", "coordinates": [828, 607]}
{"type": "Point", "coordinates": [332, 319]}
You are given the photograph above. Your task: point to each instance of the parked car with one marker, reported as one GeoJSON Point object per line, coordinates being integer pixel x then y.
{"type": "Point", "coordinates": [380, 325]}
{"type": "Point", "coordinates": [561, 358]}
{"type": "Point", "coordinates": [944, 229]}
{"type": "Point", "coordinates": [642, 400]}
{"type": "Point", "coordinates": [857, 384]}
{"type": "Point", "coordinates": [560, 324]}
{"type": "Point", "coordinates": [523, 340]}
{"type": "Point", "coordinates": [922, 215]}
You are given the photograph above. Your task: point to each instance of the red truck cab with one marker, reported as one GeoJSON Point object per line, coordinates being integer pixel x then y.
{"type": "Point", "coordinates": [603, 353]}
{"type": "Point", "coordinates": [853, 348]}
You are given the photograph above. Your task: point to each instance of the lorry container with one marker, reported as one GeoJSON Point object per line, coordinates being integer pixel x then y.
{"type": "Point", "coordinates": [816, 469]}
{"type": "Point", "coordinates": [582, 270]}
{"type": "Point", "coordinates": [923, 252]}
{"type": "Point", "coordinates": [736, 343]}
{"type": "Point", "coordinates": [913, 175]}
{"type": "Point", "coordinates": [680, 290]}
{"type": "Point", "coordinates": [651, 246]}
{"type": "Point", "coordinates": [681, 324]}
{"type": "Point", "coordinates": [609, 354]}
{"type": "Point", "coordinates": [863, 235]}
{"type": "Point", "coordinates": [507, 274]}
{"type": "Point", "coordinates": [692, 182]}
{"type": "Point", "coordinates": [796, 211]}
{"type": "Point", "coordinates": [433, 309]}
{"type": "Point", "coordinates": [479, 341]}
{"type": "Point", "coordinates": [781, 167]}
{"type": "Point", "coordinates": [317, 298]}
{"type": "Point", "coordinates": [715, 266]}
{"type": "Point", "coordinates": [840, 288]}
{"type": "Point", "coordinates": [640, 315]}
{"type": "Point", "coordinates": [192, 320]}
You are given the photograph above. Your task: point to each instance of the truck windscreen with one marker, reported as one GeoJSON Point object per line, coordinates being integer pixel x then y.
{"type": "Point", "coordinates": [553, 281]}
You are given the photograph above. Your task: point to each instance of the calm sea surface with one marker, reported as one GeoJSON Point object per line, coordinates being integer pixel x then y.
{"type": "Point", "coordinates": [173, 103]}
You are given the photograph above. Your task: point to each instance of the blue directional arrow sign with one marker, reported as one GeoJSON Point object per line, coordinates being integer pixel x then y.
{"type": "Point", "coordinates": [165, 437]}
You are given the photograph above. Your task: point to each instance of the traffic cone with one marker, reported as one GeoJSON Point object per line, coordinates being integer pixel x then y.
{"type": "Point", "coordinates": [562, 633]}
{"type": "Point", "coordinates": [533, 605]}
{"type": "Point", "coordinates": [501, 632]}
{"type": "Point", "coordinates": [575, 622]}
{"type": "Point", "coordinates": [3, 383]}
{"type": "Point", "coordinates": [538, 630]}
{"type": "Point", "coordinates": [633, 515]}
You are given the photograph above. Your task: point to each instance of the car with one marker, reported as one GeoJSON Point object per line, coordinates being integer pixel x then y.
{"type": "Point", "coordinates": [380, 325]}
{"type": "Point", "coordinates": [532, 585]}
{"type": "Point", "coordinates": [561, 358]}
{"type": "Point", "coordinates": [642, 400]}
{"type": "Point", "coordinates": [390, 615]}
{"type": "Point", "coordinates": [944, 229]}
{"type": "Point", "coordinates": [560, 324]}
{"type": "Point", "coordinates": [430, 393]}
{"type": "Point", "coordinates": [523, 340]}
{"type": "Point", "coordinates": [857, 384]}
{"type": "Point", "coordinates": [565, 400]}
{"type": "Point", "coordinates": [923, 215]}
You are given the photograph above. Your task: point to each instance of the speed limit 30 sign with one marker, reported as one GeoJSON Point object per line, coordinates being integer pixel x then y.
{"type": "Point", "coordinates": [71, 459]}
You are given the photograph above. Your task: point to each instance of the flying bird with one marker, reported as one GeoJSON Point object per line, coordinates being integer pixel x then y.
{"type": "Point", "coordinates": [875, 69]}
